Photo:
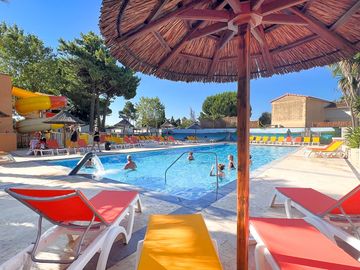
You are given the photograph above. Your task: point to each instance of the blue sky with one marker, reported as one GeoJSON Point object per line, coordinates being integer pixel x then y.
{"type": "Point", "coordinates": [51, 20]}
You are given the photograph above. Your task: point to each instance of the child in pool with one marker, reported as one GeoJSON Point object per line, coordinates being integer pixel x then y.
{"type": "Point", "coordinates": [190, 156]}
{"type": "Point", "coordinates": [220, 172]}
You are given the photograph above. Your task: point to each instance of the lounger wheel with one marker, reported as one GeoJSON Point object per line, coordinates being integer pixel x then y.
{"type": "Point", "coordinates": [105, 250]}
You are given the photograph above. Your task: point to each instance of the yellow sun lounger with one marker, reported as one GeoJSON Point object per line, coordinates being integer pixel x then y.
{"type": "Point", "coordinates": [180, 242]}
{"type": "Point", "coordinates": [316, 141]}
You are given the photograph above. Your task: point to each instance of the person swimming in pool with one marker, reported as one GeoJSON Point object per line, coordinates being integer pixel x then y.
{"type": "Point", "coordinates": [89, 163]}
{"type": "Point", "coordinates": [250, 161]}
{"type": "Point", "coordinates": [231, 165]}
{"type": "Point", "coordinates": [190, 156]}
{"type": "Point", "coordinates": [220, 172]}
{"type": "Point", "coordinates": [130, 165]}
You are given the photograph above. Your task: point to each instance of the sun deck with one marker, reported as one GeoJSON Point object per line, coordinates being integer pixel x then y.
{"type": "Point", "coordinates": [333, 177]}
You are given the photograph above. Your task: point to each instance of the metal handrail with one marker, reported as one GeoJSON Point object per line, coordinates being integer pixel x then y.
{"type": "Point", "coordinates": [82, 162]}
{"type": "Point", "coordinates": [216, 165]}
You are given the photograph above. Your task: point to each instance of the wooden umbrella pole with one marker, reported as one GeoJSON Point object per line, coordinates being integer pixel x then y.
{"type": "Point", "coordinates": [243, 115]}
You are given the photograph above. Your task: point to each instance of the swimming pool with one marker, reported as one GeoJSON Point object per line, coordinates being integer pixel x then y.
{"type": "Point", "coordinates": [185, 179]}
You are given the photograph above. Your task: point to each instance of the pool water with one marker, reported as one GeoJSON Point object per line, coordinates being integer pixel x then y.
{"type": "Point", "coordinates": [186, 179]}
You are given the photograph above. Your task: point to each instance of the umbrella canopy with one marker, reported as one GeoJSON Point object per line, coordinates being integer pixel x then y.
{"type": "Point", "coordinates": [124, 124]}
{"type": "Point", "coordinates": [65, 118]}
{"type": "Point", "coordinates": [230, 40]}
{"type": "Point", "coordinates": [167, 124]}
{"type": "Point", "coordinates": [194, 126]}
{"type": "Point", "coordinates": [198, 40]}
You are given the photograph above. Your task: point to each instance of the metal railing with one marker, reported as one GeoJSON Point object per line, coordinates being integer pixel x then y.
{"type": "Point", "coordinates": [216, 166]}
{"type": "Point", "coordinates": [82, 162]}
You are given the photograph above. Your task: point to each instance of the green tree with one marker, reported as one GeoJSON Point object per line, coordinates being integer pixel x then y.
{"type": "Point", "coordinates": [121, 82]}
{"type": "Point", "coordinates": [97, 73]}
{"type": "Point", "coordinates": [150, 112]}
{"type": "Point", "coordinates": [220, 105]}
{"type": "Point", "coordinates": [129, 111]}
{"type": "Point", "coordinates": [27, 60]}
{"type": "Point", "coordinates": [185, 122]}
{"type": "Point", "coordinates": [348, 74]}
{"type": "Point", "coordinates": [265, 119]}
{"type": "Point", "coordinates": [223, 104]}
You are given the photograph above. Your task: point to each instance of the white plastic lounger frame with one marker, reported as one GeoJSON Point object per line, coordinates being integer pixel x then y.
{"type": "Point", "coordinates": [106, 236]}
{"type": "Point", "coordinates": [263, 255]}
{"type": "Point", "coordinates": [42, 151]}
{"type": "Point", "coordinates": [343, 220]}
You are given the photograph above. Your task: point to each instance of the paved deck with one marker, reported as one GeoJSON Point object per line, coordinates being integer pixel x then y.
{"type": "Point", "coordinates": [17, 224]}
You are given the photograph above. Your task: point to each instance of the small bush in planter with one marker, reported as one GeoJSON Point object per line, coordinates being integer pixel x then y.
{"type": "Point", "coordinates": [353, 137]}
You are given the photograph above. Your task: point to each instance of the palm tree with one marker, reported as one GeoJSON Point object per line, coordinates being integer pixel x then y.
{"type": "Point", "coordinates": [348, 74]}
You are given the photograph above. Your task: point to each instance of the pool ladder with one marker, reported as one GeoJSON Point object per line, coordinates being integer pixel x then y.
{"type": "Point", "coordinates": [216, 167]}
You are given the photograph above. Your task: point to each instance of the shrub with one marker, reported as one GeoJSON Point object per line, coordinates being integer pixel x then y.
{"type": "Point", "coordinates": [353, 137]}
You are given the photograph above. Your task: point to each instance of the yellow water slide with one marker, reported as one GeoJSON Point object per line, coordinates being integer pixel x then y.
{"type": "Point", "coordinates": [28, 104]}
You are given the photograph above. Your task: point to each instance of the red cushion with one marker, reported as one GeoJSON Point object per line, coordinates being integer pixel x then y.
{"type": "Point", "coordinates": [314, 201]}
{"type": "Point", "coordinates": [350, 203]}
{"type": "Point", "coordinates": [110, 204]}
{"type": "Point", "coordinates": [64, 210]}
{"type": "Point", "coordinates": [53, 144]}
{"type": "Point", "coordinates": [296, 245]}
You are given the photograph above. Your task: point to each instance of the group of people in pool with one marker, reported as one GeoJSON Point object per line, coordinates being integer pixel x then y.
{"type": "Point", "coordinates": [221, 166]}
{"type": "Point", "coordinates": [131, 165]}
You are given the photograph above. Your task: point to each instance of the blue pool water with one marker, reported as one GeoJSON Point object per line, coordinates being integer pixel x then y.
{"type": "Point", "coordinates": [186, 179]}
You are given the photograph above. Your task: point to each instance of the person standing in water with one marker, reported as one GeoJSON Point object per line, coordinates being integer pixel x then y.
{"type": "Point", "coordinates": [130, 165]}
{"type": "Point", "coordinates": [190, 156]}
{"type": "Point", "coordinates": [231, 165]}
{"type": "Point", "coordinates": [220, 171]}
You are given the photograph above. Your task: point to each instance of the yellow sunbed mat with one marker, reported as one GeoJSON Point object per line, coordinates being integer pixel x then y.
{"type": "Point", "coordinates": [178, 242]}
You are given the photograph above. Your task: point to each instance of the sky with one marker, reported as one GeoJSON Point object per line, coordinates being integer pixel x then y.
{"type": "Point", "coordinates": [51, 20]}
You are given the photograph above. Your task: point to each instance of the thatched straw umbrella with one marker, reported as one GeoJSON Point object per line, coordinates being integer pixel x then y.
{"type": "Point", "coordinates": [230, 40]}
{"type": "Point", "coordinates": [124, 124]}
{"type": "Point", "coordinates": [65, 118]}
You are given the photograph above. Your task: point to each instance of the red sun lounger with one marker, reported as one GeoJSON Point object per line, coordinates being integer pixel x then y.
{"type": "Point", "coordinates": [294, 244]}
{"type": "Point", "coordinates": [310, 202]}
{"type": "Point", "coordinates": [95, 221]}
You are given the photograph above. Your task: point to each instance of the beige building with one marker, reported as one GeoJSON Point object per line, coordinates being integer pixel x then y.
{"type": "Point", "coordinates": [291, 110]}
{"type": "Point", "coordinates": [7, 134]}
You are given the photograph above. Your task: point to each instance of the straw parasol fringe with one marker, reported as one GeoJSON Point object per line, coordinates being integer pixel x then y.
{"type": "Point", "coordinates": [287, 43]}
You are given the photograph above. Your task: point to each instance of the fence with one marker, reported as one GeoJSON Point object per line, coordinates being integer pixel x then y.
{"type": "Point", "coordinates": [332, 124]}
{"type": "Point", "coordinates": [225, 122]}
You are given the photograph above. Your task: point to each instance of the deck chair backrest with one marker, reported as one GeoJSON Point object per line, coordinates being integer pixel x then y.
{"type": "Point", "coordinates": [288, 139]}
{"type": "Point", "coordinates": [273, 139]}
{"type": "Point", "coordinates": [102, 138]}
{"type": "Point", "coordinates": [265, 138]}
{"type": "Point", "coordinates": [280, 139]}
{"type": "Point", "coordinates": [334, 146]}
{"type": "Point", "coordinates": [53, 144]}
{"type": "Point", "coordinates": [349, 202]}
{"type": "Point", "coordinates": [56, 205]}
{"type": "Point", "coordinates": [316, 139]}
{"type": "Point", "coordinates": [306, 139]}
{"type": "Point", "coordinates": [298, 139]}
{"type": "Point", "coordinates": [82, 143]}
